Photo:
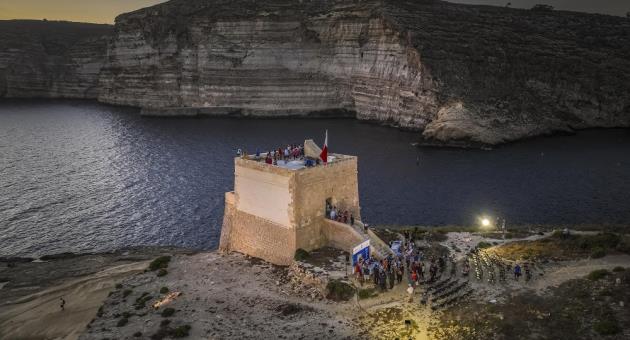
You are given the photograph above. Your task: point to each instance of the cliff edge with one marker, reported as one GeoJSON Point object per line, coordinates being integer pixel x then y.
{"type": "Point", "coordinates": [455, 72]}
{"type": "Point", "coordinates": [51, 59]}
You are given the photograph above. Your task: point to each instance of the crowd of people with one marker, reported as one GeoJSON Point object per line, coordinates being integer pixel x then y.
{"type": "Point", "coordinates": [288, 153]}
{"type": "Point", "coordinates": [384, 273]}
{"type": "Point", "coordinates": [343, 216]}
{"type": "Point", "coordinates": [414, 265]}
{"type": "Point", "coordinates": [391, 270]}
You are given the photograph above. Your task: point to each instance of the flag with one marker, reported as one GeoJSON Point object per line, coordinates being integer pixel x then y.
{"type": "Point", "coordinates": [324, 154]}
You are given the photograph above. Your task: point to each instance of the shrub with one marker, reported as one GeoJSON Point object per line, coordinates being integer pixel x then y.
{"type": "Point", "coordinates": [483, 245]}
{"type": "Point", "coordinates": [159, 263]}
{"type": "Point", "coordinates": [618, 269]}
{"type": "Point", "coordinates": [118, 285]}
{"type": "Point", "coordinates": [598, 274]}
{"type": "Point", "coordinates": [181, 331]}
{"type": "Point", "coordinates": [99, 313]}
{"type": "Point", "coordinates": [366, 293]}
{"type": "Point", "coordinates": [145, 297]}
{"type": "Point", "coordinates": [163, 290]}
{"type": "Point", "coordinates": [301, 255]}
{"type": "Point", "coordinates": [339, 291]}
{"type": "Point", "coordinates": [608, 326]}
{"type": "Point", "coordinates": [598, 252]}
{"type": "Point", "coordinates": [168, 312]}
{"type": "Point", "coordinates": [603, 240]}
{"type": "Point", "coordinates": [126, 293]}
{"type": "Point", "coordinates": [606, 292]}
{"type": "Point", "coordinates": [542, 8]}
{"type": "Point", "coordinates": [137, 334]}
{"type": "Point", "coordinates": [162, 272]}
{"type": "Point", "coordinates": [165, 323]}
{"type": "Point", "coordinates": [161, 334]}
{"type": "Point", "coordinates": [122, 322]}
{"type": "Point", "coordinates": [126, 315]}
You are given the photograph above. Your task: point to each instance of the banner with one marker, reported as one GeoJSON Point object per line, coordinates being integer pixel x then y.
{"type": "Point", "coordinates": [362, 251]}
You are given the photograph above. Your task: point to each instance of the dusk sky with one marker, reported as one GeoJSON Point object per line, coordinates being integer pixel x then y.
{"type": "Point", "coordinates": [104, 11]}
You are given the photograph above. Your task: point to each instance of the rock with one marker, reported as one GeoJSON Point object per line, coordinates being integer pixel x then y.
{"type": "Point", "coordinates": [411, 64]}
{"type": "Point", "coordinates": [48, 59]}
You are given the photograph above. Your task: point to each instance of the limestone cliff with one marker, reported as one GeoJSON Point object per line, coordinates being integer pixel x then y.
{"type": "Point", "coordinates": [51, 59]}
{"type": "Point", "coordinates": [455, 72]}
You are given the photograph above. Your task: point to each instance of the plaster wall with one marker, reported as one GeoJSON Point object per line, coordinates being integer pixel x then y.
{"type": "Point", "coordinates": [263, 193]}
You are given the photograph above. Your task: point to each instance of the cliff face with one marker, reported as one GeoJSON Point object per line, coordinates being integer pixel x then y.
{"type": "Point", "coordinates": [456, 72]}
{"type": "Point", "coordinates": [475, 73]}
{"type": "Point", "coordinates": [278, 59]}
{"type": "Point", "coordinates": [51, 59]}
{"type": "Point", "coordinates": [506, 74]}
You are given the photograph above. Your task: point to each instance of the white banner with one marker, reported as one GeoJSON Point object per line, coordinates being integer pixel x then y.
{"type": "Point", "coordinates": [361, 246]}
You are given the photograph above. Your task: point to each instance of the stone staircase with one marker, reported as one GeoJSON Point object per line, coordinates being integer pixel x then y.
{"type": "Point", "coordinates": [378, 247]}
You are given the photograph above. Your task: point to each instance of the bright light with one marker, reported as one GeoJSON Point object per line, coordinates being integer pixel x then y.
{"type": "Point", "coordinates": [485, 222]}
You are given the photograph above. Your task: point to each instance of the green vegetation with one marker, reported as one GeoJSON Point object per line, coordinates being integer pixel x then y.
{"type": "Point", "coordinates": [367, 293]}
{"type": "Point", "coordinates": [339, 290]}
{"type": "Point", "coordinates": [598, 252]}
{"type": "Point", "coordinates": [164, 290]}
{"type": "Point", "coordinates": [137, 334]}
{"type": "Point", "coordinates": [160, 263]}
{"type": "Point", "coordinates": [301, 255]}
{"type": "Point", "coordinates": [618, 269]}
{"type": "Point", "coordinates": [604, 241]}
{"type": "Point", "coordinates": [126, 293]}
{"type": "Point", "coordinates": [609, 326]}
{"type": "Point", "coordinates": [122, 322]}
{"type": "Point", "coordinates": [168, 312]}
{"type": "Point", "coordinates": [483, 245]}
{"type": "Point", "coordinates": [142, 300]}
{"type": "Point", "coordinates": [566, 247]}
{"type": "Point", "coordinates": [165, 323]}
{"type": "Point", "coordinates": [119, 285]}
{"type": "Point", "coordinates": [177, 332]}
{"type": "Point", "coordinates": [598, 274]}
{"type": "Point", "coordinates": [162, 272]}
{"type": "Point", "coordinates": [542, 8]}
{"type": "Point", "coordinates": [99, 313]}
{"type": "Point", "coordinates": [126, 315]}
{"type": "Point", "coordinates": [181, 331]}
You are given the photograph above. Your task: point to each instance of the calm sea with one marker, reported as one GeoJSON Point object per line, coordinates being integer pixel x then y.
{"type": "Point", "coordinates": [79, 176]}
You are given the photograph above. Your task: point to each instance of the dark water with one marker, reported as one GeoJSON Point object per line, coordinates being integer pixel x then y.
{"type": "Point", "coordinates": [79, 176]}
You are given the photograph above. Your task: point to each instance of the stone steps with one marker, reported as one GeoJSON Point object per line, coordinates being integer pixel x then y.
{"type": "Point", "coordinates": [379, 248]}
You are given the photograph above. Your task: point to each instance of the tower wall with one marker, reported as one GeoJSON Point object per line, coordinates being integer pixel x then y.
{"type": "Point", "coordinates": [274, 211]}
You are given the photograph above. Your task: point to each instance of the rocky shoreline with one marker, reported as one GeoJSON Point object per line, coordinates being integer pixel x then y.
{"type": "Point", "coordinates": [409, 64]}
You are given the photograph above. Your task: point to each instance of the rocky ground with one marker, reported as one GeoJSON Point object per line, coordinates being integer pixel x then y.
{"type": "Point", "coordinates": [31, 290]}
{"type": "Point", "coordinates": [222, 297]}
{"type": "Point", "coordinates": [218, 296]}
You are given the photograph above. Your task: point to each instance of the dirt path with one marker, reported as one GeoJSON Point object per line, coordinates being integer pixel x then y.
{"type": "Point", "coordinates": [39, 316]}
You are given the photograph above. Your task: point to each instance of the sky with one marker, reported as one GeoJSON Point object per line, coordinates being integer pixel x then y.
{"type": "Point", "coordinates": [104, 11]}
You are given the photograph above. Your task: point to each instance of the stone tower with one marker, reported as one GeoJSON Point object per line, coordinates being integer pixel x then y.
{"type": "Point", "coordinates": [276, 209]}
